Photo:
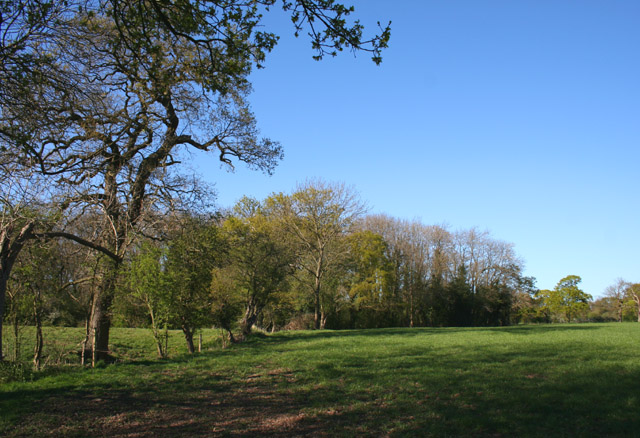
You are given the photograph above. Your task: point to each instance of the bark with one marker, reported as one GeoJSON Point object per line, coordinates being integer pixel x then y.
{"type": "Point", "coordinates": [248, 323]}
{"type": "Point", "coordinates": [620, 304]}
{"type": "Point", "coordinates": [37, 353]}
{"type": "Point", "coordinates": [317, 317]}
{"type": "Point", "coordinates": [3, 288]}
{"type": "Point", "coordinates": [85, 341]}
{"type": "Point", "coordinates": [100, 324]}
{"type": "Point", "coordinates": [232, 338]}
{"type": "Point", "coordinates": [188, 336]}
{"type": "Point", "coordinates": [160, 337]}
{"type": "Point", "coordinates": [250, 317]}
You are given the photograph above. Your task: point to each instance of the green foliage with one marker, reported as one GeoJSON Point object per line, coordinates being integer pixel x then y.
{"type": "Point", "coordinates": [367, 300]}
{"type": "Point", "coordinates": [227, 299]}
{"type": "Point", "coordinates": [172, 280]}
{"type": "Point", "coordinates": [15, 372]}
{"type": "Point", "coordinates": [148, 284]}
{"type": "Point", "coordinates": [566, 302]}
{"type": "Point", "coordinates": [259, 261]}
{"type": "Point", "coordinates": [190, 259]}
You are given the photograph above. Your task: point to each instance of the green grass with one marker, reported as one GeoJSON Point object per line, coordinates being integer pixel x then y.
{"type": "Point", "coordinates": [546, 381]}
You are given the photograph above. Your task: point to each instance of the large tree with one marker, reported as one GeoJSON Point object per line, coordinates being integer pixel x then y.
{"type": "Point", "coordinates": [617, 293]}
{"type": "Point", "coordinates": [126, 87]}
{"type": "Point", "coordinates": [633, 291]}
{"type": "Point", "coordinates": [258, 259]}
{"type": "Point", "coordinates": [566, 301]}
{"type": "Point", "coordinates": [316, 216]}
{"type": "Point", "coordinates": [192, 255]}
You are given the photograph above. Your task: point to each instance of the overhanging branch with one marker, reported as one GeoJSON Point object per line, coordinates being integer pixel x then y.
{"type": "Point", "coordinates": [81, 241]}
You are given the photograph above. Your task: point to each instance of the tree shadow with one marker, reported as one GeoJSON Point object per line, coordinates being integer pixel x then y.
{"type": "Point", "coordinates": [471, 390]}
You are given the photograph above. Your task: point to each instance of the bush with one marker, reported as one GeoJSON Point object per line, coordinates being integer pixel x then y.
{"type": "Point", "coordinates": [15, 372]}
{"type": "Point", "coordinates": [301, 322]}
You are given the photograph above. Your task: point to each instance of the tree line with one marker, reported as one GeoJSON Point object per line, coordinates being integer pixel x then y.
{"type": "Point", "coordinates": [312, 258]}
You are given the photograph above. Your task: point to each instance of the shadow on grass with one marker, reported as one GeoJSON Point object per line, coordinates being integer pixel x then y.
{"type": "Point", "coordinates": [419, 331]}
{"type": "Point", "coordinates": [481, 390]}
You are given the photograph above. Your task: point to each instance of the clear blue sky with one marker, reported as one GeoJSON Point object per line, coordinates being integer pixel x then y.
{"type": "Point", "coordinates": [521, 118]}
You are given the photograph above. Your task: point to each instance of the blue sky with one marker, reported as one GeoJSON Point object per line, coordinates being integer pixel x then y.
{"type": "Point", "coordinates": [521, 118]}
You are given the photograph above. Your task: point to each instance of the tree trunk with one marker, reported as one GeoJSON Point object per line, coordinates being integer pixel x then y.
{"type": "Point", "coordinates": [188, 336]}
{"type": "Point", "coordinates": [159, 335]}
{"type": "Point", "coordinates": [250, 317]}
{"type": "Point", "coordinates": [620, 304]}
{"type": "Point", "coordinates": [317, 317]}
{"type": "Point", "coordinates": [247, 323]}
{"type": "Point", "coordinates": [100, 325]}
{"type": "Point", "coordinates": [411, 306]}
{"type": "Point", "coordinates": [37, 353]}
{"type": "Point", "coordinates": [85, 341]}
{"type": "Point", "coordinates": [3, 289]}
{"type": "Point", "coordinates": [232, 339]}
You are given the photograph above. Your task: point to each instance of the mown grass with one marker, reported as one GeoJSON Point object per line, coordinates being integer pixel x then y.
{"type": "Point", "coordinates": [556, 380]}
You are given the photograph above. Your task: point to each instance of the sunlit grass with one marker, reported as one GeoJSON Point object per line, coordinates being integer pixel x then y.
{"type": "Point", "coordinates": [558, 380]}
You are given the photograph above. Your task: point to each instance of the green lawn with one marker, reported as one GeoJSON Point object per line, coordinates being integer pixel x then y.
{"type": "Point", "coordinates": [547, 381]}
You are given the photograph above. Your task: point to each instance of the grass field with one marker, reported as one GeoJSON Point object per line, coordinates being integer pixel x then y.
{"type": "Point", "coordinates": [546, 381]}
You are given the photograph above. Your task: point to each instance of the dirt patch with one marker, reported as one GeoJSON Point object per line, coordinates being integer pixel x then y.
{"type": "Point", "coordinates": [254, 407]}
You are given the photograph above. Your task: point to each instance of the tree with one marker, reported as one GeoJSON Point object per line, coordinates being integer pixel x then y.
{"type": "Point", "coordinates": [549, 304]}
{"type": "Point", "coordinates": [148, 284]}
{"type": "Point", "coordinates": [316, 215]}
{"type": "Point", "coordinates": [369, 288]}
{"type": "Point", "coordinates": [574, 300]}
{"type": "Point", "coordinates": [566, 301]}
{"type": "Point", "coordinates": [157, 78]}
{"type": "Point", "coordinates": [633, 291]}
{"type": "Point", "coordinates": [259, 261]}
{"type": "Point", "coordinates": [192, 255]}
{"type": "Point", "coordinates": [226, 303]}
{"type": "Point", "coordinates": [523, 306]}
{"type": "Point", "coordinates": [617, 293]}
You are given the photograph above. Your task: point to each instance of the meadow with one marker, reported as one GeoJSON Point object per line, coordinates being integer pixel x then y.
{"type": "Point", "coordinates": [522, 381]}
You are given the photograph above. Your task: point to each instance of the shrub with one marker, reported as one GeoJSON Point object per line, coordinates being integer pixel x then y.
{"type": "Point", "coordinates": [301, 322]}
{"type": "Point", "coordinates": [15, 372]}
